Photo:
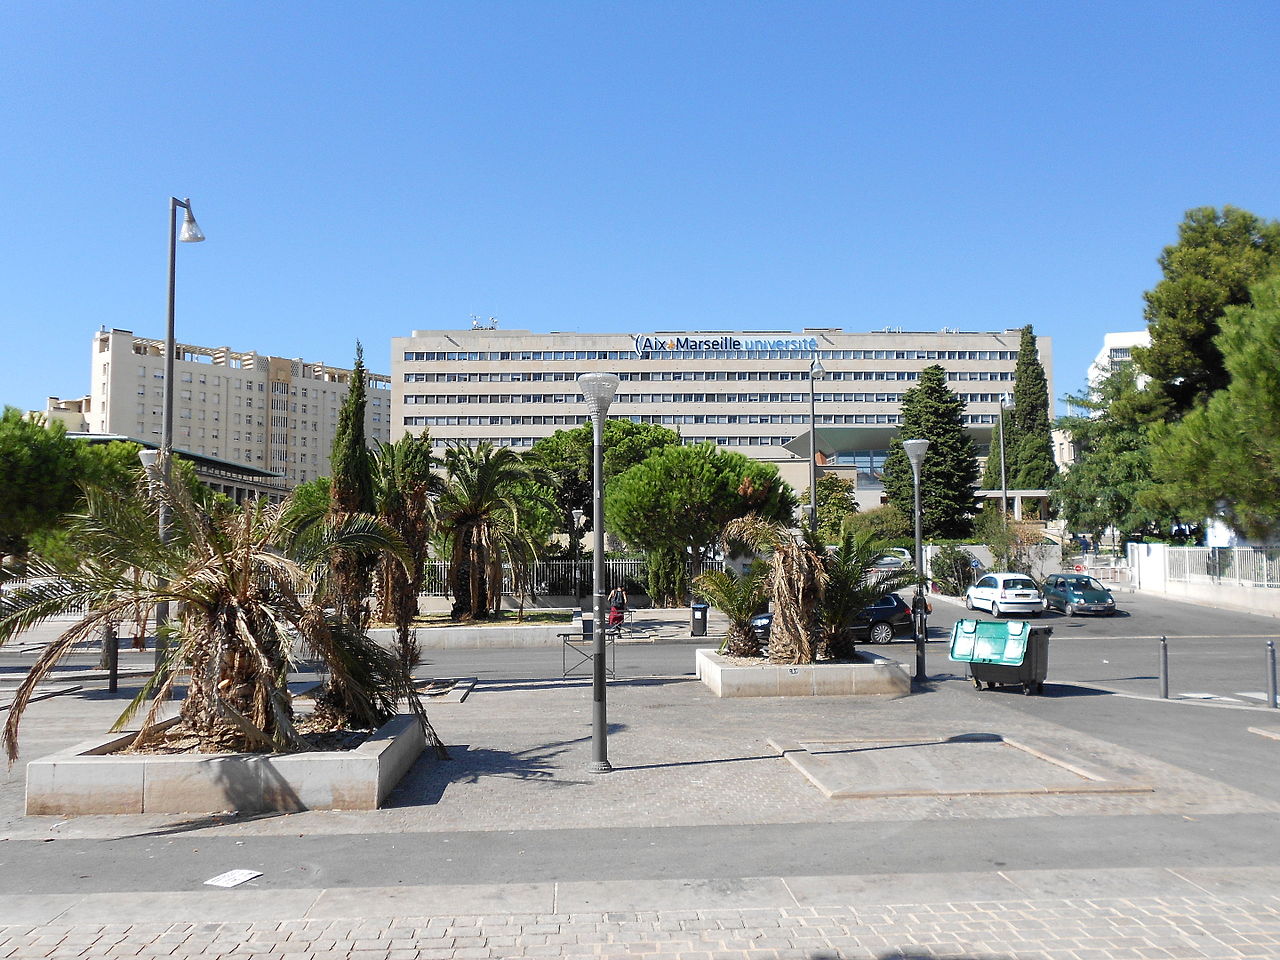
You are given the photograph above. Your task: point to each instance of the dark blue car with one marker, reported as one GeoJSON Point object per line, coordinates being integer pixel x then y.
{"type": "Point", "coordinates": [879, 623]}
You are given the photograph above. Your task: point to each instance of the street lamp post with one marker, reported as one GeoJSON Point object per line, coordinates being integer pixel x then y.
{"type": "Point", "coordinates": [816, 372]}
{"type": "Point", "coordinates": [1006, 403]}
{"type": "Point", "coordinates": [190, 233]}
{"type": "Point", "coordinates": [915, 453]}
{"type": "Point", "coordinates": [598, 389]}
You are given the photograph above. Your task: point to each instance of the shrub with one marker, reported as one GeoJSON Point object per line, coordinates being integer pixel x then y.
{"type": "Point", "coordinates": [952, 569]}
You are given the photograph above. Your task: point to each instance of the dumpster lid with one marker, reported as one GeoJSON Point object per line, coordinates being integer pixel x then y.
{"type": "Point", "coordinates": [987, 641]}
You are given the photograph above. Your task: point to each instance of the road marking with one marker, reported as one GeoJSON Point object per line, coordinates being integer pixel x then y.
{"type": "Point", "coordinates": [1206, 696]}
{"type": "Point", "coordinates": [1253, 695]}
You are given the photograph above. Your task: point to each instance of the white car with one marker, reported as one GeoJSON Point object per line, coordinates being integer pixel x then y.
{"type": "Point", "coordinates": [1006, 593]}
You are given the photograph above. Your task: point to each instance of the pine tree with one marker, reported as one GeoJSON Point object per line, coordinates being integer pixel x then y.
{"type": "Point", "coordinates": [931, 411]}
{"type": "Point", "coordinates": [1029, 444]}
{"type": "Point", "coordinates": [351, 492]}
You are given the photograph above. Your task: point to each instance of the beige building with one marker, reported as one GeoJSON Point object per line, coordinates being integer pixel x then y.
{"type": "Point", "coordinates": [747, 392]}
{"type": "Point", "coordinates": [274, 414]}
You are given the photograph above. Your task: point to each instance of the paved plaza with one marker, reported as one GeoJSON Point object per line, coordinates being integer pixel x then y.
{"type": "Point", "coordinates": [968, 826]}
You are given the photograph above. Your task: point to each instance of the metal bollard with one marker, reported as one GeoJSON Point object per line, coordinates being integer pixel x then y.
{"type": "Point", "coordinates": [1271, 674]}
{"type": "Point", "coordinates": [1164, 669]}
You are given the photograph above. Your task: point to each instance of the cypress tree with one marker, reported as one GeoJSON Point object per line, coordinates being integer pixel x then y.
{"type": "Point", "coordinates": [1029, 444]}
{"type": "Point", "coordinates": [351, 491]}
{"type": "Point", "coordinates": [931, 411]}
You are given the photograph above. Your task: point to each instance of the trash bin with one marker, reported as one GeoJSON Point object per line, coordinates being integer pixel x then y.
{"type": "Point", "coordinates": [1003, 653]}
{"type": "Point", "coordinates": [698, 620]}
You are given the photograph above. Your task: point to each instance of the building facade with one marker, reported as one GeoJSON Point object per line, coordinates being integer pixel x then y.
{"type": "Point", "coordinates": [748, 392]}
{"type": "Point", "coordinates": [274, 414]}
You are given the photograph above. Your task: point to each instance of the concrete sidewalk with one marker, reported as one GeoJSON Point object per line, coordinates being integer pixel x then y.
{"type": "Point", "coordinates": [704, 842]}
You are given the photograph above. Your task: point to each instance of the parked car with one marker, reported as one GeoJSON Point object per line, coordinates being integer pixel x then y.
{"type": "Point", "coordinates": [1006, 593]}
{"type": "Point", "coordinates": [895, 559]}
{"type": "Point", "coordinates": [1074, 593]}
{"type": "Point", "coordinates": [878, 623]}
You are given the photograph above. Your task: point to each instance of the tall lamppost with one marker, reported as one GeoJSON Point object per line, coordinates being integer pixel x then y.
{"type": "Point", "coordinates": [190, 233]}
{"type": "Point", "coordinates": [577, 555]}
{"type": "Point", "coordinates": [598, 389]}
{"type": "Point", "coordinates": [915, 453]}
{"type": "Point", "coordinates": [816, 372]}
{"type": "Point", "coordinates": [1006, 403]}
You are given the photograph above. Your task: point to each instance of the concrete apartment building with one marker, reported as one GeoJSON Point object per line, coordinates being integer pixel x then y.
{"type": "Point", "coordinates": [747, 392]}
{"type": "Point", "coordinates": [273, 414]}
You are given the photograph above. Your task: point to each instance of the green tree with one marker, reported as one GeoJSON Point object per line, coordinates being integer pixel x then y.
{"type": "Point", "coordinates": [40, 469]}
{"type": "Point", "coordinates": [797, 583]}
{"type": "Point", "coordinates": [837, 503]}
{"type": "Point", "coordinates": [885, 522]}
{"type": "Point", "coordinates": [738, 597]}
{"type": "Point", "coordinates": [931, 411]}
{"type": "Point", "coordinates": [1219, 254]}
{"type": "Point", "coordinates": [1224, 458]}
{"type": "Point", "coordinates": [853, 584]}
{"type": "Point", "coordinates": [1111, 484]}
{"type": "Point", "coordinates": [351, 492]}
{"type": "Point", "coordinates": [1031, 464]}
{"type": "Point", "coordinates": [566, 455]}
{"type": "Point", "coordinates": [480, 513]}
{"type": "Point", "coordinates": [240, 582]}
{"type": "Point", "coordinates": [679, 500]}
{"type": "Point", "coordinates": [405, 491]}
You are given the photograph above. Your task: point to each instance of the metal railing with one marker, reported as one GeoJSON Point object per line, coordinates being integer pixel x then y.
{"type": "Point", "coordinates": [1244, 566]}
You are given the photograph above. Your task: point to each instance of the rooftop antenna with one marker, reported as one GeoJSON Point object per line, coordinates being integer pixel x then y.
{"type": "Point", "coordinates": [478, 324]}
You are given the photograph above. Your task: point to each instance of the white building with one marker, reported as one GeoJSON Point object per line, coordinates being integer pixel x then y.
{"type": "Point", "coordinates": [1116, 352]}
{"type": "Point", "coordinates": [747, 392]}
{"type": "Point", "coordinates": [272, 413]}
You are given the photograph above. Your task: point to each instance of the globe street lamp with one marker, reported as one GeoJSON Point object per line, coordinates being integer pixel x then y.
{"type": "Point", "coordinates": [915, 453]}
{"type": "Point", "coordinates": [1006, 403]}
{"type": "Point", "coordinates": [816, 372]}
{"type": "Point", "coordinates": [598, 389]}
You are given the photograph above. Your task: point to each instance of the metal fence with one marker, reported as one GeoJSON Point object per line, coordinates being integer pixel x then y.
{"type": "Point", "coordinates": [1245, 566]}
{"type": "Point", "coordinates": [561, 578]}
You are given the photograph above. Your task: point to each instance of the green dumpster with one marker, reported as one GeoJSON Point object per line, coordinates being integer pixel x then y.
{"type": "Point", "coordinates": [1003, 652]}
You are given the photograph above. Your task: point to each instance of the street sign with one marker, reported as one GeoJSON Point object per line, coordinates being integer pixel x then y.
{"type": "Point", "coordinates": [1079, 568]}
{"type": "Point", "coordinates": [975, 563]}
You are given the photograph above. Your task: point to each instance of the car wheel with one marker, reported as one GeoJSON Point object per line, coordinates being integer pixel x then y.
{"type": "Point", "coordinates": [995, 609]}
{"type": "Point", "coordinates": [968, 602]}
{"type": "Point", "coordinates": [1069, 609]}
{"type": "Point", "coordinates": [881, 633]}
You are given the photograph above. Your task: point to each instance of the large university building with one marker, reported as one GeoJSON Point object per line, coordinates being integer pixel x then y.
{"type": "Point", "coordinates": [274, 414]}
{"type": "Point", "coordinates": [748, 392]}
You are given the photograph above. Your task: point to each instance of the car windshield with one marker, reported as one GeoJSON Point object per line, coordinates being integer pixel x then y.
{"type": "Point", "coordinates": [1083, 583]}
{"type": "Point", "coordinates": [1019, 583]}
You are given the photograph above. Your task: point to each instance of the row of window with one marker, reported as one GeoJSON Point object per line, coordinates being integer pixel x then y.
{"type": "Point", "coordinates": [701, 375]}
{"type": "Point", "coordinates": [426, 356]}
{"type": "Point", "coordinates": [418, 399]}
{"type": "Point", "coordinates": [834, 419]}
{"type": "Point", "coordinates": [277, 386]}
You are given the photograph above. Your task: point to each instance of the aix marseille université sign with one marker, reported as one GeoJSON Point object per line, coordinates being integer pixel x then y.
{"type": "Point", "coordinates": [648, 345]}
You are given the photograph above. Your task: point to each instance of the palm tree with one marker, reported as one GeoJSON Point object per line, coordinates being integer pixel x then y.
{"type": "Point", "coordinates": [797, 580]}
{"type": "Point", "coordinates": [739, 598]}
{"type": "Point", "coordinates": [853, 583]}
{"type": "Point", "coordinates": [487, 493]}
{"type": "Point", "coordinates": [404, 494]}
{"type": "Point", "coordinates": [241, 581]}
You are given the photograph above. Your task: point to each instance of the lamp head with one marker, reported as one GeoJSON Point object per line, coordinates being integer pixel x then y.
{"type": "Point", "coordinates": [190, 229]}
{"type": "Point", "coordinates": [915, 451]}
{"type": "Point", "coordinates": [577, 518]}
{"type": "Point", "coordinates": [149, 458]}
{"type": "Point", "coordinates": [816, 370]}
{"type": "Point", "coordinates": [1006, 402]}
{"type": "Point", "coordinates": [599, 390]}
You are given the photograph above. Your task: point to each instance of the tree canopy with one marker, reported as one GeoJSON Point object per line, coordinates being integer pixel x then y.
{"type": "Point", "coordinates": [1219, 254]}
{"type": "Point", "coordinates": [1224, 458]}
{"type": "Point", "coordinates": [683, 496]}
{"type": "Point", "coordinates": [931, 411]}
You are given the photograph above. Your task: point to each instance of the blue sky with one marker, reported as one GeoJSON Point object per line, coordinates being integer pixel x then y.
{"type": "Point", "coordinates": [363, 170]}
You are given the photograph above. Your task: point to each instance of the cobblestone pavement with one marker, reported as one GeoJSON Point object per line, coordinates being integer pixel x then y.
{"type": "Point", "coordinates": [1093, 929]}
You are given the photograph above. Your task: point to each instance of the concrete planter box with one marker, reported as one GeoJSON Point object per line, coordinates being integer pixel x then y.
{"type": "Point", "coordinates": [874, 676]}
{"type": "Point", "coordinates": [89, 779]}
